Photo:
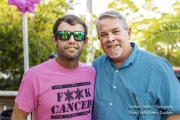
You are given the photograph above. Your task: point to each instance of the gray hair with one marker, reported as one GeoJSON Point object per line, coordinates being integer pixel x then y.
{"type": "Point", "coordinates": [112, 14]}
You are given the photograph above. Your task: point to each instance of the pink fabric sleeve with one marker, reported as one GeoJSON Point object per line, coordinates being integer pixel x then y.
{"type": "Point", "coordinates": [26, 98]}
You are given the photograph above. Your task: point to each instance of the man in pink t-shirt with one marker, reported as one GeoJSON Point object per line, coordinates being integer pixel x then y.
{"type": "Point", "coordinates": [63, 87]}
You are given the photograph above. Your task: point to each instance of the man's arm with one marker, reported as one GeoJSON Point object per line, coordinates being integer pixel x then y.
{"type": "Point", "coordinates": [174, 117]}
{"type": "Point", "coordinates": [18, 114]}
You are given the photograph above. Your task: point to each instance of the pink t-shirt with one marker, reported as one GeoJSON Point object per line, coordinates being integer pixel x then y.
{"type": "Point", "coordinates": [54, 92]}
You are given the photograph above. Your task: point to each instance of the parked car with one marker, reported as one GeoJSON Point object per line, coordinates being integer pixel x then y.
{"type": "Point", "coordinates": [177, 72]}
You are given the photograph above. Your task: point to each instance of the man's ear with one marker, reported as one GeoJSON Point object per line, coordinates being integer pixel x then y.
{"type": "Point", "coordinates": [86, 41]}
{"type": "Point", "coordinates": [129, 33]}
{"type": "Point", "coordinates": [54, 40]}
{"type": "Point", "coordinates": [98, 37]}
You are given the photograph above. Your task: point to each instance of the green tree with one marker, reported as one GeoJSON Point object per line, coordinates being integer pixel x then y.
{"type": "Point", "coordinates": [163, 36]}
{"type": "Point", "coordinates": [125, 6]}
{"type": "Point", "coordinates": [11, 50]}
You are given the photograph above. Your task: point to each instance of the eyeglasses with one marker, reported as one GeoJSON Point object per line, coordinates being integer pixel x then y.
{"type": "Point", "coordinates": [65, 35]}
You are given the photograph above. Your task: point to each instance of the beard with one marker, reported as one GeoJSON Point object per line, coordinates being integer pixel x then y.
{"type": "Point", "coordinates": [68, 56]}
{"type": "Point", "coordinates": [114, 53]}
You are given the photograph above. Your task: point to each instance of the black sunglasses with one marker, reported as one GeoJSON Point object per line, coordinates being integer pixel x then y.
{"type": "Point", "coordinates": [65, 35]}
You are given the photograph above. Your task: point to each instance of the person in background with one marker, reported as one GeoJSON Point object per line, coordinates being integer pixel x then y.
{"type": "Point", "coordinates": [60, 88]}
{"type": "Point", "coordinates": [131, 84]}
{"type": "Point", "coordinates": [52, 55]}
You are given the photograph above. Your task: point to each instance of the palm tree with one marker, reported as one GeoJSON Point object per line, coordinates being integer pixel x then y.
{"type": "Point", "coordinates": [163, 38]}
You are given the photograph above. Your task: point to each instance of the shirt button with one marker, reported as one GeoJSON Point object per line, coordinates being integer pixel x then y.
{"type": "Point", "coordinates": [116, 70]}
{"type": "Point", "coordinates": [110, 104]}
{"type": "Point", "coordinates": [114, 87]}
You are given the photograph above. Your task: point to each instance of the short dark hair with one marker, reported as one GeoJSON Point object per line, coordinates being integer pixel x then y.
{"type": "Point", "coordinates": [70, 19]}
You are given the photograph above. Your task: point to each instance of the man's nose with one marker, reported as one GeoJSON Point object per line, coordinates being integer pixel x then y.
{"type": "Point", "coordinates": [71, 39]}
{"type": "Point", "coordinates": [111, 37]}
